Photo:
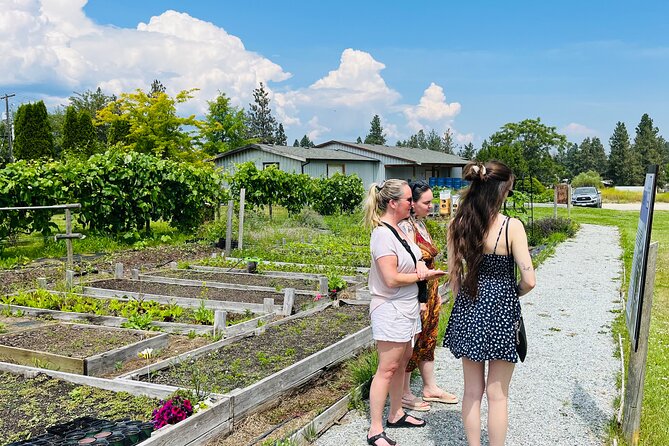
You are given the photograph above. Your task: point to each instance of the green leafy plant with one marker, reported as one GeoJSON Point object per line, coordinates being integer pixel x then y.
{"type": "Point", "coordinates": [204, 315]}
{"type": "Point", "coordinates": [139, 321]}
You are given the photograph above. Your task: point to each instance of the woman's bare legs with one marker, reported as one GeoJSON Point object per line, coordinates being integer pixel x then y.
{"type": "Point", "coordinates": [391, 360]}
{"type": "Point", "coordinates": [471, 402]}
{"type": "Point", "coordinates": [497, 392]}
{"type": "Point", "coordinates": [430, 387]}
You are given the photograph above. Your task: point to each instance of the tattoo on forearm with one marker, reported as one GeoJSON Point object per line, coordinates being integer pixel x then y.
{"type": "Point", "coordinates": [526, 267]}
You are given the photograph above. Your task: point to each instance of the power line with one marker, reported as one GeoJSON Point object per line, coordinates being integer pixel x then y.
{"type": "Point", "coordinates": [9, 128]}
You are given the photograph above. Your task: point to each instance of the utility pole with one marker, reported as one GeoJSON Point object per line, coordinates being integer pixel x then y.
{"type": "Point", "coordinates": [9, 128]}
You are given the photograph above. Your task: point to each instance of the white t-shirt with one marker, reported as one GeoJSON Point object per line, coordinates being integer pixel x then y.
{"type": "Point", "coordinates": [405, 298]}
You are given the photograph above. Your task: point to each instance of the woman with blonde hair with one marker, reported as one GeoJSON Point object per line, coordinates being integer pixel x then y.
{"type": "Point", "coordinates": [395, 270]}
{"type": "Point", "coordinates": [483, 246]}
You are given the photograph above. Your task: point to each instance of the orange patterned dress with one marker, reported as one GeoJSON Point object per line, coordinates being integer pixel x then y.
{"type": "Point", "coordinates": [427, 339]}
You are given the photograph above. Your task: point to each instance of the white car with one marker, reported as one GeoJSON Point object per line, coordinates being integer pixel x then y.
{"type": "Point", "coordinates": [586, 196]}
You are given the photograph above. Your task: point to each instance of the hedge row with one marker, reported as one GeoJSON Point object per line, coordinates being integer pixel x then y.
{"type": "Point", "coordinates": [118, 191]}
{"type": "Point", "coordinates": [271, 186]}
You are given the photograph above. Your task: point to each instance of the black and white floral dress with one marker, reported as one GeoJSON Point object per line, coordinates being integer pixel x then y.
{"type": "Point", "coordinates": [483, 328]}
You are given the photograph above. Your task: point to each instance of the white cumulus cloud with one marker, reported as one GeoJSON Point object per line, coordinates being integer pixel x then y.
{"type": "Point", "coordinates": [575, 130]}
{"type": "Point", "coordinates": [53, 42]}
{"type": "Point", "coordinates": [432, 108]}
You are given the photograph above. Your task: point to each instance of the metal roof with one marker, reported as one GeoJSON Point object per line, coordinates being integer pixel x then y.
{"type": "Point", "coordinates": [300, 153]}
{"type": "Point", "coordinates": [412, 154]}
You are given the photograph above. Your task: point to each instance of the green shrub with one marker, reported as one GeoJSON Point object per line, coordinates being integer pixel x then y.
{"type": "Point", "coordinates": [589, 178]}
{"type": "Point", "coordinates": [307, 218]}
{"type": "Point", "coordinates": [541, 230]}
{"type": "Point", "coordinates": [524, 186]}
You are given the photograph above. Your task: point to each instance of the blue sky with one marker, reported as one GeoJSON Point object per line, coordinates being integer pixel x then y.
{"type": "Point", "coordinates": [466, 66]}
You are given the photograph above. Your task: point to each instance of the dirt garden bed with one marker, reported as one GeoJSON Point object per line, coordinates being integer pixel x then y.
{"type": "Point", "coordinates": [266, 280]}
{"type": "Point", "coordinates": [291, 412]}
{"type": "Point", "coordinates": [196, 292]}
{"type": "Point", "coordinates": [80, 349]}
{"type": "Point", "coordinates": [253, 358]}
{"type": "Point", "coordinates": [72, 340]}
{"type": "Point", "coordinates": [29, 405]}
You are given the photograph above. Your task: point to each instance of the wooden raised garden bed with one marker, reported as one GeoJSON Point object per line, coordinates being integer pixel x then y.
{"type": "Point", "coordinates": [254, 370]}
{"type": "Point", "coordinates": [82, 349]}
{"type": "Point", "coordinates": [217, 298]}
{"type": "Point", "coordinates": [234, 280]}
{"type": "Point", "coordinates": [30, 402]}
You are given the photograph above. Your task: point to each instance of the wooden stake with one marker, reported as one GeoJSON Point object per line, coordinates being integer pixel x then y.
{"type": "Point", "coordinates": [228, 229]}
{"type": "Point", "coordinates": [323, 286]}
{"type": "Point", "coordinates": [268, 305]}
{"type": "Point", "coordinates": [240, 238]}
{"type": "Point", "coordinates": [288, 301]}
{"type": "Point", "coordinates": [636, 368]}
{"type": "Point", "coordinates": [68, 241]}
{"type": "Point", "coordinates": [219, 321]}
{"type": "Point", "coordinates": [118, 271]}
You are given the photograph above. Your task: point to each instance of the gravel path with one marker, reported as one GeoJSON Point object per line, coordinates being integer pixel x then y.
{"type": "Point", "coordinates": [563, 394]}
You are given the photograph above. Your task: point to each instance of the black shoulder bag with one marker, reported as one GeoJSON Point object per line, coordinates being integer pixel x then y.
{"type": "Point", "coordinates": [521, 336]}
{"type": "Point", "coordinates": [422, 284]}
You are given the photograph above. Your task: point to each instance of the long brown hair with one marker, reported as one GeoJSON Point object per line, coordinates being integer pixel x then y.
{"type": "Point", "coordinates": [477, 210]}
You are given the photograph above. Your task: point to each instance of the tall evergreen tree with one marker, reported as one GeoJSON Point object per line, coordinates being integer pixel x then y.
{"type": "Point", "coordinates": [296, 143]}
{"type": "Point", "coordinates": [649, 145]}
{"type": "Point", "coordinates": [87, 135]}
{"type": "Point", "coordinates": [376, 135]}
{"type": "Point", "coordinates": [448, 144]}
{"type": "Point", "coordinates": [70, 130]}
{"type": "Point", "coordinates": [467, 152]}
{"type": "Point", "coordinates": [157, 88]}
{"type": "Point", "coordinates": [433, 141]}
{"type": "Point", "coordinates": [306, 142]}
{"type": "Point", "coordinates": [280, 139]}
{"type": "Point", "coordinates": [261, 122]}
{"type": "Point", "coordinates": [592, 156]}
{"type": "Point", "coordinates": [33, 137]}
{"type": "Point", "coordinates": [92, 102]}
{"type": "Point", "coordinates": [624, 167]}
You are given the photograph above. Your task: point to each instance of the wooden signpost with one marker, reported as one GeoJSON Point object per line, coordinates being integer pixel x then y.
{"type": "Point", "coordinates": [638, 308]}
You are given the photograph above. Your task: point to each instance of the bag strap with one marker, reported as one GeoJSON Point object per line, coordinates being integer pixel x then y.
{"type": "Point", "coordinates": [402, 241]}
{"type": "Point", "coordinates": [508, 252]}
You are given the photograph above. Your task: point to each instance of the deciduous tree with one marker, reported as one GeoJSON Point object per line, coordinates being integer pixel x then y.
{"type": "Point", "coordinates": [224, 127]}
{"type": "Point", "coordinates": [152, 124]}
{"type": "Point", "coordinates": [526, 146]}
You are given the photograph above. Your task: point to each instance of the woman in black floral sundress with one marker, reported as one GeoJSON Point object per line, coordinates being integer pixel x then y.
{"type": "Point", "coordinates": [482, 248]}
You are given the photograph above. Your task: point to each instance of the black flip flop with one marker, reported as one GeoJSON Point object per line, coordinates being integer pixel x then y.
{"type": "Point", "coordinates": [382, 435]}
{"type": "Point", "coordinates": [402, 422]}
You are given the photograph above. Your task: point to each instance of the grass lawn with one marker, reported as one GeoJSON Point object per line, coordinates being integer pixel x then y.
{"type": "Point", "coordinates": [655, 416]}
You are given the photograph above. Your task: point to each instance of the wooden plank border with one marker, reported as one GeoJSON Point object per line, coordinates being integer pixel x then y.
{"type": "Point", "coordinates": [271, 274]}
{"type": "Point", "coordinates": [105, 362]}
{"type": "Point", "coordinates": [323, 421]}
{"type": "Point", "coordinates": [246, 400]}
{"type": "Point", "coordinates": [132, 387]}
{"type": "Point", "coordinates": [213, 284]}
{"type": "Point", "coordinates": [238, 307]}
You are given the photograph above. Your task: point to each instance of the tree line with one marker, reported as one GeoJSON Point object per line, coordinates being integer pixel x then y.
{"type": "Point", "coordinates": [147, 122]}
{"type": "Point", "coordinates": [140, 121]}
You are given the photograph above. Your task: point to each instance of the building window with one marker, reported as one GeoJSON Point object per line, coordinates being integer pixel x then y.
{"type": "Point", "coordinates": [266, 165]}
{"type": "Point", "coordinates": [336, 168]}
